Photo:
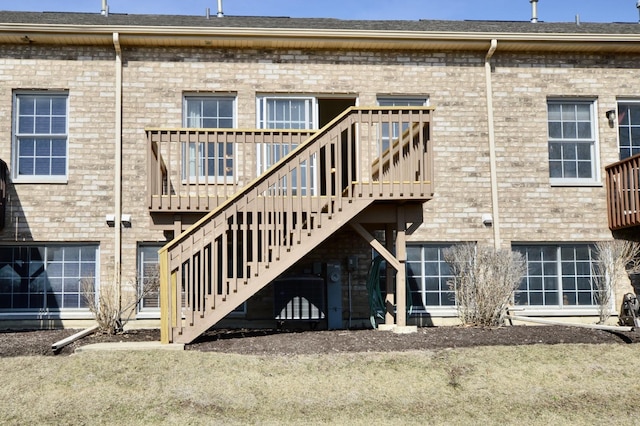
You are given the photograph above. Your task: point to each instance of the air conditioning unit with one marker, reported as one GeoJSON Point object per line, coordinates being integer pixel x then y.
{"type": "Point", "coordinates": [299, 298]}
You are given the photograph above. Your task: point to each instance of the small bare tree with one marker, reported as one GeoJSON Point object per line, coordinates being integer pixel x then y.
{"type": "Point", "coordinates": [484, 281]}
{"type": "Point", "coordinates": [107, 310]}
{"type": "Point", "coordinates": [613, 258]}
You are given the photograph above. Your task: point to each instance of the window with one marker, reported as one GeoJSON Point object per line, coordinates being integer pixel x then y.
{"type": "Point", "coordinates": [202, 161]}
{"type": "Point", "coordinates": [40, 137]}
{"type": "Point", "coordinates": [50, 277]}
{"type": "Point", "coordinates": [287, 112]}
{"type": "Point", "coordinates": [148, 277]}
{"type": "Point", "coordinates": [148, 281]}
{"type": "Point", "coordinates": [427, 277]}
{"type": "Point", "coordinates": [269, 154]}
{"type": "Point", "coordinates": [629, 128]}
{"type": "Point", "coordinates": [572, 144]}
{"type": "Point", "coordinates": [394, 132]}
{"type": "Point", "coordinates": [557, 276]}
{"type": "Point", "coordinates": [209, 112]}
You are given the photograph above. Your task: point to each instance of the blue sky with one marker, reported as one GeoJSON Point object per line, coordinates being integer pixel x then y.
{"type": "Point", "coordinates": [510, 10]}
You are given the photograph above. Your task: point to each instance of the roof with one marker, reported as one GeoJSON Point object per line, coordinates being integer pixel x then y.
{"type": "Point", "coordinates": [253, 31]}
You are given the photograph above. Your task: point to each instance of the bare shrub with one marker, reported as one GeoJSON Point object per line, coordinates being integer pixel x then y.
{"type": "Point", "coordinates": [613, 258]}
{"type": "Point", "coordinates": [484, 282]}
{"type": "Point", "coordinates": [108, 310]}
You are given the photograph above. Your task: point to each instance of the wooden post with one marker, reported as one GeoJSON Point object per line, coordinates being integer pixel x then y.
{"type": "Point", "coordinates": [389, 300]}
{"type": "Point", "coordinates": [401, 255]}
{"type": "Point", "coordinates": [165, 323]}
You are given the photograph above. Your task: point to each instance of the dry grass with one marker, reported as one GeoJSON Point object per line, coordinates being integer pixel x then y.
{"type": "Point", "coordinates": [533, 385]}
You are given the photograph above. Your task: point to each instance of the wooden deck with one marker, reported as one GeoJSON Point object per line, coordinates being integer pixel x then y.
{"type": "Point", "coordinates": [255, 234]}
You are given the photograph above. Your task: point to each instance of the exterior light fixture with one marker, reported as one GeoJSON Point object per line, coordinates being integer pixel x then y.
{"type": "Point", "coordinates": [611, 116]}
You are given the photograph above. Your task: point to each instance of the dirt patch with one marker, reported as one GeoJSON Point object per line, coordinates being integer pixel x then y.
{"type": "Point", "coordinates": [291, 342]}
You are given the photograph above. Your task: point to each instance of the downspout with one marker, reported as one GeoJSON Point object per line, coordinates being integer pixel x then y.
{"type": "Point", "coordinates": [492, 147]}
{"type": "Point", "coordinates": [117, 273]}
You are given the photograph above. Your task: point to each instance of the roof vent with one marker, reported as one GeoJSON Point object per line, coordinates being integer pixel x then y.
{"type": "Point", "coordinates": [105, 8]}
{"type": "Point", "coordinates": [220, 14]}
{"type": "Point", "coordinates": [534, 11]}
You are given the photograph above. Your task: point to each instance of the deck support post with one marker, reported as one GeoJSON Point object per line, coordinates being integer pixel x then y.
{"type": "Point", "coordinates": [401, 256]}
{"type": "Point", "coordinates": [389, 318]}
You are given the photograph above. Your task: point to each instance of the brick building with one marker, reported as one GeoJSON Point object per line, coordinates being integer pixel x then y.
{"type": "Point", "coordinates": [122, 131]}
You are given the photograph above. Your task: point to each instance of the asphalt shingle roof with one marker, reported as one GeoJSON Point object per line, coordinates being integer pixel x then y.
{"type": "Point", "coordinates": [126, 20]}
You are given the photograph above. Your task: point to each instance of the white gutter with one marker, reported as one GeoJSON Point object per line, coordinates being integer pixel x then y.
{"type": "Point", "coordinates": [492, 147]}
{"type": "Point", "coordinates": [117, 273]}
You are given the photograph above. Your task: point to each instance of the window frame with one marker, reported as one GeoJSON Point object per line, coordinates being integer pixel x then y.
{"type": "Point", "coordinates": [311, 111]}
{"type": "Point", "coordinates": [592, 142]}
{"type": "Point", "coordinates": [396, 101]}
{"type": "Point", "coordinates": [423, 290]}
{"type": "Point", "coordinates": [560, 264]}
{"type": "Point", "coordinates": [17, 136]}
{"type": "Point", "coordinates": [620, 117]}
{"type": "Point", "coordinates": [141, 263]}
{"type": "Point", "coordinates": [198, 156]}
{"type": "Point", "coordinates": [47, 264]}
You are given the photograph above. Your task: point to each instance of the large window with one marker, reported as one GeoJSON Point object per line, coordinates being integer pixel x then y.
{"type": "Point", "coordinates": [40, 137]}
{"type": "Point", "coordinates": [46, 278]}
{"type": "Point", "coordinates": [572, 142]}
{"type": "Point", "coordinates": [204, 161]}
{"type": "Point", "coordinates": [393, 132]}
{"type": "Point", "coordinates": [427, 277]}
{"type": "Point", "coordinates": [287, 112]}
{"type": "Point", "coordinates": [629, 128]}
{"type": "Point", "coordinates": [557, 276]}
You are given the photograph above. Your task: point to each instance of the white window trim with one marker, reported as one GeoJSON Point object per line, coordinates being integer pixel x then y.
{"type": "Point", "coordinates": [64, 313]}
{"type": "Point", "coordinates": [403, 98]}
{"type": "Point", "coordinates": [202, 179]}
{"type": "Point", "coordinates": [201, 95]}
{"type": "Point", "coordinates": [261, 105]}
{"type": "Point", "coordinates": [560, 309]}
{"type": "Point", "coordinates": [596, 180]}
{"type": "Point", "coordinates": [41, 179]}
{"type": "Point", "coordinates": [635, 101]}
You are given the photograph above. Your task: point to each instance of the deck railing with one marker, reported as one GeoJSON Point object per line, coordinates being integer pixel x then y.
{"type": "Point", "coordinates": [623, 193]}
{"type": "Point", "coordinates": [274, 220]}
{"type": "Point", "coordinates": [198, 169]}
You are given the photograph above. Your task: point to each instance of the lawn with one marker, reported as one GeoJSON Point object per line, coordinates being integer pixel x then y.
{"type": "Point", "coordinates": [533, 385]}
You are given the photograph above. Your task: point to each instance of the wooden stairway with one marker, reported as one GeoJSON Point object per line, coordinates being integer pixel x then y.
{"type": "Point", "coordinates": [275, 220]}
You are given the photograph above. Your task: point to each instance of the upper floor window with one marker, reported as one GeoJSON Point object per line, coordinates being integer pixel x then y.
{"type": "Point", "coordinates": [202, 161]}
{"type": "Point", "coordinates": [557, 276]}
{"type": "Point", "coordinates": [48, 277]}
{"type": "Point", "coordinates": [40, 137]}
{"type": "Point", "coordinates": [572, 142]}
{"type": "Point", "coordinates": [629, 128]}
{"type": "Point", "coordinates": [276, 112]}
{"type": "Point", "coordinates": [393, 131]}
{"type": "Point", "coordinates": [209, 112]}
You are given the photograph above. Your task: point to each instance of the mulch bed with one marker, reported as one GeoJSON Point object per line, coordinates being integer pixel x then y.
{"type": "Point", "coordinates": [291, 342]}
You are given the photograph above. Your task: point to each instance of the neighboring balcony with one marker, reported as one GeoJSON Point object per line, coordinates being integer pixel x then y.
{"type": "Point", "coordinates": [196, 170]}
{"type": "Point", "coordinates": [623, 193]}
